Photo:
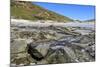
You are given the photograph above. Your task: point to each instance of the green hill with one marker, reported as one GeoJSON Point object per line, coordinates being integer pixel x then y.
{"type": "Point", "coordinates": [30, 11]}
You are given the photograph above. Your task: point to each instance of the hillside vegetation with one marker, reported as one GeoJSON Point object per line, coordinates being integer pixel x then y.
{"type": "Point", "coordinates": [31, 11]}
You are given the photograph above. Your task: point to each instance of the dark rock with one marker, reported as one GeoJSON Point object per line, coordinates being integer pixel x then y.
{"type": "Point", "coordinates": [34, 53]}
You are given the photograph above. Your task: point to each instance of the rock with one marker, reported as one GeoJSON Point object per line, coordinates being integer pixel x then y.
{"type": "Point", "coordinates": [18, 45]}
{"type": "Point", "coordinates": [83, 39]}
{"type": "Point", "coordinates": [70, 52]}
{"type": "Point", "coordinates": [19, 61]}
{"type": "Point", "coordinates": [59, 52]}
{"type": "Point", "coordinates": [58, 55]}
{"type": "Point", "coordinates": [22, 59]}
{"type": "Point", "coordinates": [19, 55]}
{"type": "Point", "coordinates": [34, 52]}
{"type": "Point", "coordinates": [31, 45]}
{"type": "Point", "coordinates": [91, 50]}
{"type": "Point", "coordinates": [43, 49]}
{"type": "Point", "coordinates": [81, 45]}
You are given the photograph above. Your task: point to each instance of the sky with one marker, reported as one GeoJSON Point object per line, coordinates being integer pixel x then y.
{"type": "Point", "coordinates": [76, 12]}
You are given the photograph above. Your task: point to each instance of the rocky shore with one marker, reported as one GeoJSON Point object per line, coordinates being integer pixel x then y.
{"type": "Point", "coordinates": [35, 45]}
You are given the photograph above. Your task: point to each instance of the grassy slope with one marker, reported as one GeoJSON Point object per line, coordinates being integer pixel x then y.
{"type": "Point", "coordinates": [31, 11]}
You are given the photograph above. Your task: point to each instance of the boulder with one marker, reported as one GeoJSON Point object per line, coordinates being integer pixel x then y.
{"type": "Point", "coordinates": [18, 45]}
